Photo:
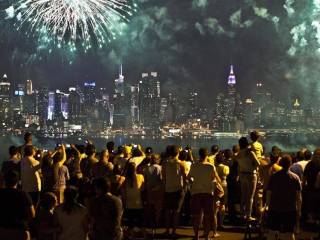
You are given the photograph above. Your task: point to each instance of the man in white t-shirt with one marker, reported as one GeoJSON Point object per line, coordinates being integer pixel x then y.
{"type": "Point", "coordinates": [30, 174]}
{"type": "Point", "coordinates": [202, 175]}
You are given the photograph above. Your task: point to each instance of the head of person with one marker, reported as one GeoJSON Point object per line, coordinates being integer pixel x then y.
{"type": "Point", "coordinates": [48, 201]}
{"type": "Point", "coordinates": [300, 156]}
{"type": "Point", "coordinates": [316, 157]}
{"type": "Point", "coordinates": [70, 199]}
{"type": "Point", "coordinates": [13, 151]}
{"type": "Point", "coordinates": [173, 151]}
{"type": "Point", "coordinates": [127, 150]}
{"type": "Point", "coordinates": [47, 161]}
{"type": "Point", "coordinates": [90, 150]}
{"type": "Point", "coordinates": [131, 174]}
{"type": "Point", "coordinates": [136, 152]}
{"type": "Point", "coordinates": [81, 148]}
{"type": "Point", "coordinates": [57, 157]}
{"type": "Point", "coordinates": [243, 143]}
{"type": "Point", "coordinates": [101, 186]}
{"type": "Point", "coordinates": [235, 149]}
{"type": "Point", "coordinates": [275, 150]}
{"type": "Point", "coordinates": [27, 138]}
{"type": "Point", "coordinates": [307, 155]}
{"type": "Point", "coordinates": [254, 136]}
{"type": "Point", "coordinates": [149, 151]}
{"type": "Point", "coordinates": [104, 155]}
{"type": "Point", "coordinates": [11, 179]}
{"type": "Point", "coordinates": [155, 158]}
{"type": "Point", "coordinates": [227, 154]}
{"type": "Point", "coordinates": [110, 146]}
{"type": "Point", "coordinates": [203, 154]}
{"type": "Point", "coordinates": [183, 155]}
{"type": "Point", "coordinates": [29, 151]}
{"type": "Point", "coordinates": [219, 158]}
{"type": "Point", "coordinates": [274, 157]}
{"type": "Point", "coordinates": [285, 161]}
{"type": "Point", "coordinates": [215, 149]}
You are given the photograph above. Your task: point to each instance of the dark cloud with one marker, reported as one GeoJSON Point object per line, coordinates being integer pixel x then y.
{"type": "Point", "coordinates": [190, 43]}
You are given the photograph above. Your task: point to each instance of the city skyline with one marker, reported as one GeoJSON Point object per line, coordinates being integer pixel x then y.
{"type": "Point", "coordinates": [142, 109]}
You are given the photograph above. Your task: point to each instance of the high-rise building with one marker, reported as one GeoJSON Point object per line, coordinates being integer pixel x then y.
{"type": "Point", "coordinates": [43, 95]}
{"type": "Point", "coordinates": [119, 83]}
{"type": "Point", "coordinates": [29, 87]}
{"type": "Point", "coordinates": [121, 113]}
{"type": "Point", "coordinates": [51, 105]}
{"type": "Point", "coordinates": [193, 107]}
{"type": "Point", "coordinates": [149, 100]}
{"type": "Point", "coordinates": [135, 104]}
{"type": "Point", "coordinates": [5, 87]}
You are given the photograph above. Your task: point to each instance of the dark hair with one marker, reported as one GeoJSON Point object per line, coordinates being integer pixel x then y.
{"type": "Point", "coordinates": [70, 199]}
{"type": "Point", "coordinates": [136, 152]}
{"type": "Point", "coordinates": [215, 149]}
{"type": "Point", "coordinates": [254, 136]}
{"type": "Point", "coordinates": [286, 161]}
{"type": "Point", "coordinates": [172, 150]}
{"type": "Point", "coordinates": [120, 150]}
{"type": "Point", "coordinates": [48, 200]}
{"type": "Point", "coordinates": [300, 156]}
{"type": "Point", "coordinates": [11, 178]}
{"type": "Point", "coordinates": [203, 153]}
{"type": "Point", "coordinates": [183, 155]}
{"type": "Point", "coordinates": [149, 150]}
{"type": "Point", "coordinates": [102, 184]}
{"type": "Point", "coordinates": [90, 150]}
{"type": "Point", "coordinates": [243, 143]}
{"type": "Point", "coordinates": [28, 150]}
{"type": "Point", "coordinates": [27, 136]}
{"type": "Point", "coordinates": [131, 177]}
{"type": "Point", "coordinates": [227, 153]}
{"type": "Point", "coordinates": [110, 146]}
{"type": "Point", "coordinates": [219, 158]}
{"type": "Point", "coordinates": [57, 157]}
{"type": "Point", "coordinates": [307, 155]}
{"type": "Point", "coordinates": [13, 150]}
{"type": "Point", "coordinates": [274, 157]}
{"type": "Point", "coordinates": [236, 148]}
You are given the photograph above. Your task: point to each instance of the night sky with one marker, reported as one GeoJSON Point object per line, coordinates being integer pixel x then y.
{"type": "Point", "coordinates": [191, 43]}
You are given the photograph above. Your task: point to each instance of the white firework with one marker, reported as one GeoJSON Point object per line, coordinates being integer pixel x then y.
{"type": "Point", "coordinates": [74, 21]}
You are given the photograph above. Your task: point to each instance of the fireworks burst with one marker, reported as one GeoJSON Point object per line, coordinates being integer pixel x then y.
{"type": "Point", "coordinates": [73, 23]}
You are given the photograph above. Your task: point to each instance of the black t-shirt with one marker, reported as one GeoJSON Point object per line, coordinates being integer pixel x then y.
{"type": "Point", "coordinates": [14, 207]}
{"type": "Point", "coordinates": [10, 165]}
{"type": "Point", "coordinates": [310, 173]}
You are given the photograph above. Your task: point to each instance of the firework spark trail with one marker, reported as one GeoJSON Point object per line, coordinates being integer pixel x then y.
{"type": "Point", "coordinates": [72, 21]}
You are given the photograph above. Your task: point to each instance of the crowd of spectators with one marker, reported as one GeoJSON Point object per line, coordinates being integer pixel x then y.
{"type": "Point", "coordinates": [75, 192]}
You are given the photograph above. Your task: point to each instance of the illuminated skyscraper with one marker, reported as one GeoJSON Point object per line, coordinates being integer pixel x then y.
{"type": "Point", "coordinates": [119, 83]}
{"type": "Point", "coordinates": [149, 99]}
{"type": "Point", "coordinates": [29, 87]}
{"type": "Point", "coordinates": [75, 106]}
{"type": "Point", "coordinates": [5, 87]}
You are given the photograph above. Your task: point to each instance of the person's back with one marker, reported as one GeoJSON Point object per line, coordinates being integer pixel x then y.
{"type": "Point", "coordinates": [30, 174]}
{"type": "Point", "coordinates": [16, 209]}
{"type": "Point", "coordinates": [13, 163]}
{"type": "Point", "coordinates": [71, 217]}
{"type": "Point", "coordinates": [102, 169]}
{"type": "Point", "coordinates": [284, 186]}
{"type": "Point", "coordinates": [173, 175]}
{"type": "Point", "coordinates": [152, 174]}
{"type": "Point", "coordinates": [105, 212]}
{"type": "Point", "coordinates": [202, 177]}
{"type": "Point", "coordinates": [71, 224]}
